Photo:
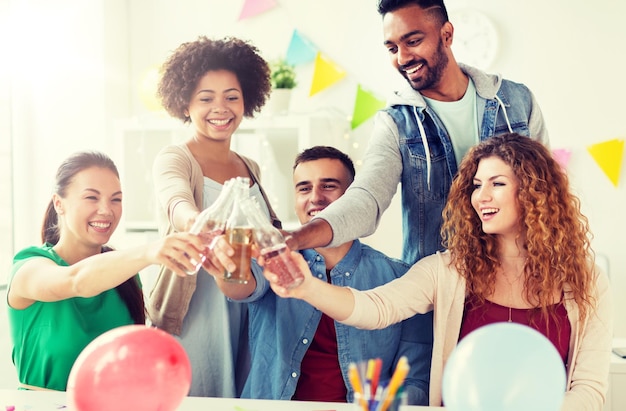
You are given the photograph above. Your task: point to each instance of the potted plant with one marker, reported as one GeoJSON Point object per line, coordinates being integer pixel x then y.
{"type": "Point", "coordinates": [283, 75]}
{"type": "Point", "coordinates": [283, 78]}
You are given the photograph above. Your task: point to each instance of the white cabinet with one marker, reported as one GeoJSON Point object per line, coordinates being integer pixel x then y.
{"type": "Point", "coordinates": [272, 141]}
{"type": "Point", "coordinates": [616, 396]}
{"type": "Point", "coordinates": [139, 143]}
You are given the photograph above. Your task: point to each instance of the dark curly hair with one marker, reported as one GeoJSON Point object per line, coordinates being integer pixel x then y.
{"type": "Point", "coordinates": [191, 61]}
{"type": "Point", "coordinates": [557, 233]}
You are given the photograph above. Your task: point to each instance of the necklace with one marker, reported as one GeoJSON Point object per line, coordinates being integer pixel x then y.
{"type": "Point", "coordinates": [506, 278]}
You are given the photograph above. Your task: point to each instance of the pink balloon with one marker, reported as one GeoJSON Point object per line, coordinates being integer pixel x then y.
{"type": "Point", "coordinates": [130, 368]}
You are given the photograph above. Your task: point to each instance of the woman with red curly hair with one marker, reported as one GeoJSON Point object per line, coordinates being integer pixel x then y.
{"type": "Point", "coordinates": [518, 250]}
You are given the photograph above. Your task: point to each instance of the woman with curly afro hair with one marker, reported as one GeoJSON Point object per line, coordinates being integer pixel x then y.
{"type": "Point", "coordinates": [211, 85]}
{"type": "Point", "coordinates": [518, 250]}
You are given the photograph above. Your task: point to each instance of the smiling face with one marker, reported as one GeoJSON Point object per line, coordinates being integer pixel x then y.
{"type": "Point", "coordinates": [216, 107]}
{"type": "Point", "coordinates": [91, 209]}
{"type": "Point", "coordinates": [418, 44]}
{"type": "Point", "coordinates": [495, 197]}
{"type": "Point", "coordinates": [318, 183]}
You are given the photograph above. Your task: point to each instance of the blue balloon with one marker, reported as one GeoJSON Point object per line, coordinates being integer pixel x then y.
{"type": "Point", "coordinates": [504, 367]}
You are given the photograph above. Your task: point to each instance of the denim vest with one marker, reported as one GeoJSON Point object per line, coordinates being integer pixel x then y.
{"type": "Point", "coordinates": [424, 190]}
{"type": "Point", "coordinates": [281, 330]}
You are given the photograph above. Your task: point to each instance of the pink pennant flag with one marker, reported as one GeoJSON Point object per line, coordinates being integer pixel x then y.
{"type": "Point", "coordinates": [562, 156]}
{"type": "Point", "coordinates": [252, 8]}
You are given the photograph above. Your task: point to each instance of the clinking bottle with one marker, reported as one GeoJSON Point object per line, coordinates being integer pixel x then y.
{"type": "Point", "coordinates": [211, 222]}
{"type": "Point", "coordinates": [272, 247]}
{"type": "Point", "coordinates": [239, 234]}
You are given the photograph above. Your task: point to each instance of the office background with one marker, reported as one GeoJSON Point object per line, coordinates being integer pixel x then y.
{"type": "Point", "coordinates": [72, 73]}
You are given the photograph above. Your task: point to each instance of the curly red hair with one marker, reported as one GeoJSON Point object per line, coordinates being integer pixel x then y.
{"type": "Point", "coordinates": [557, 236]}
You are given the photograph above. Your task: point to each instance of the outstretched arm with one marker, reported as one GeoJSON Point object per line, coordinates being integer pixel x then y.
{"type": "Point", "coordinates": [40, 279]}
{"type": "Point", "coordinates": [315, 233]}
{"type": "Point", "coordinates": [358, 211]}
{"type": "Point", "coordinates": [336, 302]}
{"type": "Point", "coordinates": [387, 304]}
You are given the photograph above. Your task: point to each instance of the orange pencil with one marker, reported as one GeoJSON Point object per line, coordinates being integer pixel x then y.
{"type": "Point", "coordinates": [355, 381]}
{"type": "Point", "coordinates": [402, 369]}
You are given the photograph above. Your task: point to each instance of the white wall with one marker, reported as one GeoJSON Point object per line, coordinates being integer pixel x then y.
{"type": "Point", "coordinates": [81, 62]}
{"type": "Point", "coordinates": [567, 52]}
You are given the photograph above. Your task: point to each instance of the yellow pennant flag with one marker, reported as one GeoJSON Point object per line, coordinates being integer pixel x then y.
{"type": "Point", "coordinates": [609, 156]}
{"type": "Point", "coordinates": [148, 89]}
{"type": "Point", "coordinates": [325, 74]}
{"type": "Point", "coordinates": [365, 106]}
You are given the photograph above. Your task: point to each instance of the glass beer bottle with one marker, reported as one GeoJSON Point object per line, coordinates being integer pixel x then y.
{"type": "Point", "coordinates": [239, 235]}
{"type": "Point", "coordinates": [211, 222]}
{"type": "Point", "coordinates": [272, 247]}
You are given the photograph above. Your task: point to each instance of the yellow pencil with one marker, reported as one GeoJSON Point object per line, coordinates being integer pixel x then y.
{"type": "Point", "coordinates": [355, 380]}
{"type": "Point", "coordinates": [402, 369]}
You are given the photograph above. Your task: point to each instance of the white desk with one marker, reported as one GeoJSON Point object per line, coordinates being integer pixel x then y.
{"type": "Point", "coordinates": [55, 401]}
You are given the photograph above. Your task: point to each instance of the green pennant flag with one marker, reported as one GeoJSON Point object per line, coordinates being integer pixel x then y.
{"type": "Point", "coordinates": [365, 106]}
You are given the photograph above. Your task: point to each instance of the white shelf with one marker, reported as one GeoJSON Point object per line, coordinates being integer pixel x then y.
{"type": "Point", "coordinates": [272, 141]}
{"type": "Point", "coordinates": [616, 396]}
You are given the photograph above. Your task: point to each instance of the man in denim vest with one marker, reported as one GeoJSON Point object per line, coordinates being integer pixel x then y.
{"type": "Point", "coordinates": [421, 137]}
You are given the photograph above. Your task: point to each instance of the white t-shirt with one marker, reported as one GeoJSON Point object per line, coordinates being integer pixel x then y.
{"type": "Point", "coordinates": [459, 119]}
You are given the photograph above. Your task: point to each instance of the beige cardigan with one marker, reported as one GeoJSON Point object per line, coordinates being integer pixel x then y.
{"type": "Point", "coordinates": [178, 178]}
{"type": "Point", "coordinates": [431, 284]}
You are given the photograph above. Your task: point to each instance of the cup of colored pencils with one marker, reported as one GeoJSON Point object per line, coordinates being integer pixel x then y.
{"type": "Point", "coordinates": [372, 394]}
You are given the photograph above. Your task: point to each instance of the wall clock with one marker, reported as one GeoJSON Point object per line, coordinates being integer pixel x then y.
{"type": "Point", "coordinates": [475, 40]}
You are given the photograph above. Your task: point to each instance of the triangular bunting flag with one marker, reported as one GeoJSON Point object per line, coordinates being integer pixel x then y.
{"type": "Point", "coordinates": [253, 7]}
{"type": "Point", "coordinates": [562, 156]}
{"type": "Point", "coordinates": [365, 106]}
{"type": "Point", "coordinates": [609, 156]}
{"type": "Point", "coordinates": [325, 74]}
{"type": "Point", "coordinates": [300, 50]}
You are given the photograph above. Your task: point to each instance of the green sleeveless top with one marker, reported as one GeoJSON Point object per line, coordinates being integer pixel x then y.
{"type": "Point", "coordinates": [49, 336]}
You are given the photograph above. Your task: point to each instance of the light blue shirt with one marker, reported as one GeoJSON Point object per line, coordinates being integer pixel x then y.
{"type": "Point", "coordinates": [281, 330]}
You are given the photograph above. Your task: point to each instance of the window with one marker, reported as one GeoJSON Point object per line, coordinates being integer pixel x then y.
{"type": "Point", "coordinates": [6, 186]}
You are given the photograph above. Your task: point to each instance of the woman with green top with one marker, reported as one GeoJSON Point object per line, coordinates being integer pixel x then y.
{"type": "Point", "coordinates": [68, 291]}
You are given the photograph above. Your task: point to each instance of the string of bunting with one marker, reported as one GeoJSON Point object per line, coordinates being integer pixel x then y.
{"type": "Point", "coordinates": [326, 72]}
{"type": "Point", "coordinates": [608, 154]}
{"type": "Point", "coordinates": [301, 50]}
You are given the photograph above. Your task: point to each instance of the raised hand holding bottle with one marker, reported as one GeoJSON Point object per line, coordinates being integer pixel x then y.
{"type": "Point", "coordinates": [211, 222]}
{"type": "Point", "coordinates": [272, 247]}
{"type": "Point", "coordinates": [239, 235]}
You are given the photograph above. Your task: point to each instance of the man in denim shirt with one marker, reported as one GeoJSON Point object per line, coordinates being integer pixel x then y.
{"type": "Point", "coordinates": [299, 353]}
{"type": "Point", "coordinates": [421, 137]}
